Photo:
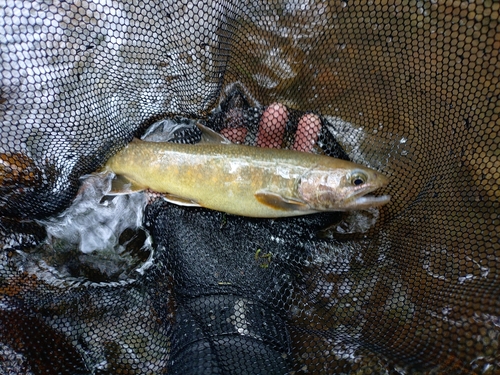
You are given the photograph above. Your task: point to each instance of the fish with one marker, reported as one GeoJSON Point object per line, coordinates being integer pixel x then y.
{"type": "Point", "coordinates": [246, 180]}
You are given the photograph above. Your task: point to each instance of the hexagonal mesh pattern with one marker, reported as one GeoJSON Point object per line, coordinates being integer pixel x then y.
{"type": "Point", "coordinates": [410, 88]}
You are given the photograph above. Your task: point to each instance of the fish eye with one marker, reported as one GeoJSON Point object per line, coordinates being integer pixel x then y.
{"type": "Point", "coordinates": [358, 179]}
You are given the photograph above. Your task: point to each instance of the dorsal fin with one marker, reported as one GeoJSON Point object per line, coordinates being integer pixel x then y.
{"type": "Point", "coordinates": [210, 136]}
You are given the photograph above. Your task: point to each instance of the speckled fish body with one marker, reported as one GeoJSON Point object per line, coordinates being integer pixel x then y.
{"type": "Point", "coordinates": [248, 181]}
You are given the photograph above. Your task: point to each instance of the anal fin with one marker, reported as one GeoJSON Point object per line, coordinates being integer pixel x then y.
{"type": "Point", "coordinates": [179, 200]}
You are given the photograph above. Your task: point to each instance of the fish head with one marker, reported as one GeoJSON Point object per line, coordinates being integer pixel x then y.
{"type": "Point", "coordinates": [342, 189]}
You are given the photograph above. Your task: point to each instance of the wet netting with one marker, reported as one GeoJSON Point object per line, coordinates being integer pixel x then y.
{"type": "Point", "coordinates": [93, 283]}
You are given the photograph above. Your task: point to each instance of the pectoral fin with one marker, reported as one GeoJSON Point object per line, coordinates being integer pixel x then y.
{"type": "Point", "coordinates": [279, 202]}
{"type": "Point", "coordinates": [179, 200]}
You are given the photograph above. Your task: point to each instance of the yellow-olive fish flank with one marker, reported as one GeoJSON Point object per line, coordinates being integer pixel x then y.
{"type": "Point", "coordinates": [246, 180]}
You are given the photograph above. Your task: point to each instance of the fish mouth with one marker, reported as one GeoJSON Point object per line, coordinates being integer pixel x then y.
{"type": "Point", "coordinates": [362, 200]}
{"type": "Point", "coordinates": [369, 201]}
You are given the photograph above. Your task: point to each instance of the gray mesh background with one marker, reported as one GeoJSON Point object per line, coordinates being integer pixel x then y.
{"type": "Point", "coordinates": [418, 293]}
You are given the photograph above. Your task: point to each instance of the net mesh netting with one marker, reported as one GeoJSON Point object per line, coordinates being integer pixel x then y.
{"type": "Point", "coordinates": [409, 88]}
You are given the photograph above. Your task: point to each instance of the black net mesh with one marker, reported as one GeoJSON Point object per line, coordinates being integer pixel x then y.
{"type": "Point", "coordinates": [409, 88]}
